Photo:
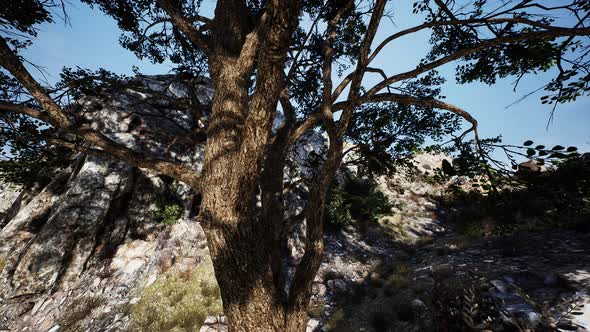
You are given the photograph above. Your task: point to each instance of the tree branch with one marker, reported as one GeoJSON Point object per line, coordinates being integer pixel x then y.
{"type": "Point", "coordinates": [557, 32]}
{"type": "Point", "coordinates": [185, 25]}
{"type": "Point", "coordinates": [34, 113]}
{"type": "Point", "coordinates": [362, 63]}
{"type": "Point", "coordinates": [417, 28]}
{"type": "Point", "coordinates": [55, 116]}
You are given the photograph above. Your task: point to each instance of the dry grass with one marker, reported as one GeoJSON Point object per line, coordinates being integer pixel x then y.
{"type": "Point", "coordinates": [178, 302]}
{"type": "Point", "coordinates": [394, 226]}
{"type": "Point", "coordinates": [400, 278]}
{"type": "Point", "coordinates": [460, 243]}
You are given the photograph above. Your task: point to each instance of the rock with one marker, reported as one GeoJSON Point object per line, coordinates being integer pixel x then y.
{"type": "Point", "coordinates": [418, 304]}
{"type": "Point", "coordinates": [442, 271]}
{"type": "Point", "coordinates": [92, 229]}
{"type": "Point", "coordinates": [312, 325]}
{"type": "Point", "coordinates": [511, 301]}
{"type": "Point", "coordinates": [529, 166]}
{"type": "Point", "coordinates": [582, 320]}
{"type": "Point", "coordinates": [214, 324]}
{"type": "Point", "coordinates": [54, 329]}
{"type": "Point", "coordinates": [318, 289]}
{"type": "Point", "coordinates": [10, 200]}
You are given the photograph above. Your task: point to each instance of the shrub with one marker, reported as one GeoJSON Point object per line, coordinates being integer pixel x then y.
{"type": "Point", "coordinates": [399, 278]}
{"type": "Point", "coordinates": [556, 198]}
{"type": "Point", "coordinates": [332, 275]}
{"type": "Point", "coordinates": [167, 212]}
{"type": "Point", "coordinates": [366, 201]}
{"type": "Point", "coordinates": [358, 200]}
{"type": "Point", "coordinates": [173, 303]}
{"type": "Point", "coordinates": [337, 210]}
{"type": "Point", "coordinates": [316, 311]}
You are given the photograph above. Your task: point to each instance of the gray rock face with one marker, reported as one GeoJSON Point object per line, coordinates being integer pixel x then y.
{"type": "Point", "coordinates": [9, 195]}
{"type": "Point", "coordinates": [90, 233]}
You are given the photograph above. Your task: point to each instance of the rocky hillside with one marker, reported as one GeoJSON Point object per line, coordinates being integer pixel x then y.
{"type": "Point", "coordinates": [108, 247]}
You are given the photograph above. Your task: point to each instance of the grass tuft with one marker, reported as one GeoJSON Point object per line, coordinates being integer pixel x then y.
{"type": "Point", "coordinates": [173, 303]}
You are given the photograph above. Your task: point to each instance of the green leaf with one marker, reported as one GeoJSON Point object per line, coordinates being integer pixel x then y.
{"type": "Point", "coordinates": [558, 155]}
{"type": "Point", "coordinates": [528, 143]}
{"type": "Point", "coordinates": [540, 147]}
{"type": "Point", "coordinates": [530, 152]}
{"type": "Point", "coordinates": [558, 148]}
{"type": "Point", "coordinates": [572, 149]}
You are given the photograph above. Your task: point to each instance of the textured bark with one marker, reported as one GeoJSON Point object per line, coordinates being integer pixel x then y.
{"type": "Point", "coordinates": [237, 145]}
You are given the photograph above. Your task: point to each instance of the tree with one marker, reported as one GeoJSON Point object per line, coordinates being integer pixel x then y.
{"type": "Point", "coordinates": [266, 57]}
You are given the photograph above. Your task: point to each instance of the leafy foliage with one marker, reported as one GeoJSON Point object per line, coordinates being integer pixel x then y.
{"type": "Point", "coordinates": [150, 35]}
{"type": "Point", "coordinates": [167, 212]}
{"type": "Point", "coordinates": [337, 209]}
{"type": "Point", "coordinates": [513, 57]}
{"type": "Point", "coordinates": [387, 134]}
{"type": "Point", "coordinates": [356, 200]}
{"type": "Point", "coordinates": [25, 152]}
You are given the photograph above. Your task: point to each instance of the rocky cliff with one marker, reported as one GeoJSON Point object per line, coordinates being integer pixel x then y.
{"type": "Point", "coordinates": [101, 231]}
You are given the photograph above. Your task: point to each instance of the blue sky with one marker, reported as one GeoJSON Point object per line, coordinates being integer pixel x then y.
{"type": "Point", "coordinates": [91, 41]}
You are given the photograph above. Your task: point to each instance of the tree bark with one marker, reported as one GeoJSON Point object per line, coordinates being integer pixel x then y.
{"type": "Point", "coordinates": [236, 235]}
{"type": "Point", "coordinates": [242, 237]}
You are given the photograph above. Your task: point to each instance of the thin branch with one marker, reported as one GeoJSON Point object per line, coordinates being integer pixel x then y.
{"type": "Point", "coordinates": [34, 113]}
{"type": "Point", "coordinates": [185, 25]}
{"type": "Point", "coordinates": [295, 63]}
{"type": "Point", "coordinates": [480, 46]}
{"type": "Point", "coordinates": [55, 116]}
{"type": "Point", "coordinates": [361, 68]}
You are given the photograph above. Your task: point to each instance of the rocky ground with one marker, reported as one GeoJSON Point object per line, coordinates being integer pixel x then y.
{"type": "Point", "coordinates": [369, 282]}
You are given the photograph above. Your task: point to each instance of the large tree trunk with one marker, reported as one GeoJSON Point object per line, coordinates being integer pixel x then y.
{"type": "Point", "coordinates": [244, 232]}
{"type": "Point", "coordinates": [236, 235]}
{"type": "Point", "coordinates": [242, 238]}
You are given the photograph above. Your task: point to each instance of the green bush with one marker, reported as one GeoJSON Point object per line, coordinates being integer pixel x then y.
{"type": "Point", "coordinates": [358, 200]}
{"type": "Point", "coordinates": [336, 321]}
{"type": "Point", "coordinates": [337, 209]}
{"type": "Point", "coordinates": [177, 303]}
{"type": "Point", "coordinates": [167, 212]}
